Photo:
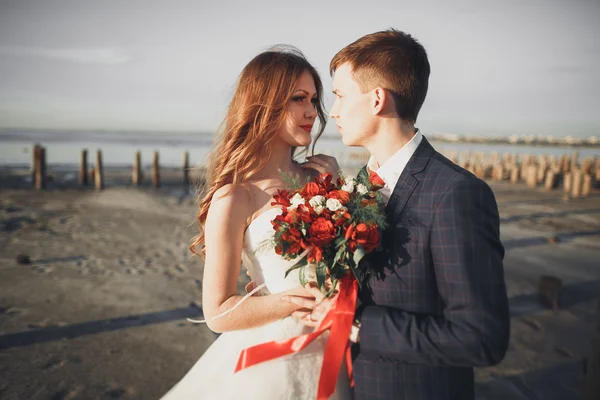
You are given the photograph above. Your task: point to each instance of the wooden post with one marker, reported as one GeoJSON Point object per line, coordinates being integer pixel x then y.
{"type": "Point", "coordinates": [565, 167]}
{"type": "Point", "coordinates": [155, 171]}
{"type": "Point", "coordinates": [577, 184]}
{"type": "Point", "coordinates": [34, 155]}
{"type": "Point", "coordinates": [186, 168]}
{"type": "Point", "coordinates": [83, 172]}
{"type": "Point", "coordinates": [586, 166]}
{"type": "Point", "coordinates": [136, 178]}
{"type": "Point", "coordinates": [550, 180]}
{"type": "Point", "coordinates": [40, 168]}
{"type": "Point", "coordinates": [98, 171]}
{"type": "Point", "coordinates": [586, 187]}
{"type": "Point", "coordinates": [542, 171]}
{"type": "Point", "coordinates": [568, 182]}
{"type": "Point", "coordinates": [515, 174]}
{"type": "Point", "coordinates": [531, 179]}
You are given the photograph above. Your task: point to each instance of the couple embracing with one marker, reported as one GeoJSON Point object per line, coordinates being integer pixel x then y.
{"type": "Point", "coordinates": [436, 305]}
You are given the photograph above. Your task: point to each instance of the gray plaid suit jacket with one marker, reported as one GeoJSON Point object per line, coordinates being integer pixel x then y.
{"type": "Point", "coordinates": [434, 301]}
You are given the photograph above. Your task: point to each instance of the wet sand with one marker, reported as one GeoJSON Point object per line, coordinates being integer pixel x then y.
{"type": "Point", "coordinates": [99, 313]}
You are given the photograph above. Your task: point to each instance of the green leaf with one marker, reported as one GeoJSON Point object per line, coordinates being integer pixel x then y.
{"type": "Point", "coordinates": [321, 272]}
{"type": "Point", "coordinates": [303, 274]}
{"type": "Point", "coordinates": [300, 264]}
{"type": "Point", "coordinates": [339, 254]}
{"type": "Point", "coordinates": [340, 241]}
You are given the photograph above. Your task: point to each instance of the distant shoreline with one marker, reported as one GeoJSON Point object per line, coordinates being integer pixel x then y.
{"type": "Point", "coordinates": [205, 138]}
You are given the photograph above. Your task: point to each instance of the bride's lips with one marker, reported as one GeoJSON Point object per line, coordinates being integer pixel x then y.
{"type": "Point", "coordinates": [307, 128]}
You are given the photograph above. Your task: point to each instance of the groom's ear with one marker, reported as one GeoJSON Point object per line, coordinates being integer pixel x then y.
{"type": "Point", "coordinates": [381, 101]}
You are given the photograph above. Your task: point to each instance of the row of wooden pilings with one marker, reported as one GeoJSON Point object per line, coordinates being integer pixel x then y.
{"type": "Point", "coordinates": [577, 179]}
{"type": "Point", "coordinates": [95, 175]}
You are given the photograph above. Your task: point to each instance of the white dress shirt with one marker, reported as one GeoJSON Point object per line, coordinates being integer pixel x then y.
{"type": "Point", "coordinates": [391, 170]}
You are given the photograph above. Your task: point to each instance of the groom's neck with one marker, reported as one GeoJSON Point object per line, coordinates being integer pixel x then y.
{"type": "Point", "coordinates": [391, 136]}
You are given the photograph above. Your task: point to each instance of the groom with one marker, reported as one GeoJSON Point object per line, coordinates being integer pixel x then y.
{"type": "Point", "coordinates": [434, 306]}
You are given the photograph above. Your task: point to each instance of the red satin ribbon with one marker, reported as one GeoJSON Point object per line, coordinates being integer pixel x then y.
{"type": "Point", "coordinates": [339, 320]}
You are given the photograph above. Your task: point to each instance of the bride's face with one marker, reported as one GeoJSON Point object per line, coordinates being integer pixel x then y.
{"type": "Point", "coordinates": [300, 113]}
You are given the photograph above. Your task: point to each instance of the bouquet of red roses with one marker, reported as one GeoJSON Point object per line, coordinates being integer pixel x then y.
{"type": "Point", "coordinates": [330, 225]}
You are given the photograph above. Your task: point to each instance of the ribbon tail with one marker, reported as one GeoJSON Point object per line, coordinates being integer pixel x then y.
{"type": "Point", "coordinates": [271, 350]}
{"type": "Point", "coordinates": [337, 343]}
{"type": "Point", "coordinates": [349, 366]}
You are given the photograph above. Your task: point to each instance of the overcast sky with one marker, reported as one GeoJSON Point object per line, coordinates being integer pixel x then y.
{"type": "Point", "coordinates": [498, 67]}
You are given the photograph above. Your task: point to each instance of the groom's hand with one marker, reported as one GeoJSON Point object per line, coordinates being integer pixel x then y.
{"type": "Point", "coordinates": [322, 164]}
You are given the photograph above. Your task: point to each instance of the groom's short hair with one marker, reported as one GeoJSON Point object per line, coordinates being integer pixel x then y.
{"type": "Point", "coordinates": [392, 60]}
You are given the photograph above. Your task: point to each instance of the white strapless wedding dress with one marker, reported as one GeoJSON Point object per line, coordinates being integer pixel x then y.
{"type": "Point", "coordinates": [291, 377]}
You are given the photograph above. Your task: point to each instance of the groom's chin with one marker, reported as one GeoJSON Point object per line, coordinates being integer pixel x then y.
{"type": "Point", "coordinates": [349, 142]}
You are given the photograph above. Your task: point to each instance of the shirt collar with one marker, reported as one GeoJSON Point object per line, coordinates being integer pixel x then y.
{"type": "Point", "coordinates": [391, 170]}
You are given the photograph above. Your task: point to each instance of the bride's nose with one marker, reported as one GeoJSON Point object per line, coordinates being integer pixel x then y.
{"type": "Point", "coordinates": [311, 112]}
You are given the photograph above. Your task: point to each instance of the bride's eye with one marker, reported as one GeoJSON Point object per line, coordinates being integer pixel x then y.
{"type": "Point", "coordinates": [298, 98]}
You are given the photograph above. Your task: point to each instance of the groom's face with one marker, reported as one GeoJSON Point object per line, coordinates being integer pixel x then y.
{"type": "Point", "coordinates": [351, 109]}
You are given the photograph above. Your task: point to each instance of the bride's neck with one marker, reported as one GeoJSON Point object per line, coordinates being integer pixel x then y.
{"type": "Point", "coordinates": [280, 159]}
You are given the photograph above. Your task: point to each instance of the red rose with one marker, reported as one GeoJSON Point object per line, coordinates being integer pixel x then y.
{"type": "Point", "coordinates": [303, 213]}
{"type": "Point", "coordinates": [341, 195]}
{"type": "Point", "coordinates": [321, 232]}
{"type": "Point", "coordinates": [294, 248]}
{"type": "Point", "coordinates": [366, 236]}
{"type": "Point", "coordinates": [376, 181]}
{"type": "Point", "coordinates": [311, 189]}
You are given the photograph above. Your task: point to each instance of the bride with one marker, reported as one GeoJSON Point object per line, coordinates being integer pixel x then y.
{"type": "Point", "coordinates": [275, 104]}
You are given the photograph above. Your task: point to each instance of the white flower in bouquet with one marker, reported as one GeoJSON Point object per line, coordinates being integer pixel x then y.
{"type": "Point", "coordinates": [361, 189]}
{"type": "Point", "coordinates": [349, 184]}
{"type": "Point", "coordinates": [296, 201]}
{"type": "Point", "coordinates": [333, 205]}
{"type": "Point", "coordinates": [317, 203]}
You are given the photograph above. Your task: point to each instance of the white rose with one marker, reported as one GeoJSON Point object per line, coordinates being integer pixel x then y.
{"type": "Point", "coordinates": [318, 209]}
{"type": "Point", "coordinates": [361, 189]}
{"type": "Point", "coordinates": [333, 204]}
{"type": "Point", "coordinates": [317, 203]}
{"type": "Point", "coordinates": [348, 185]}
{"type": "Point", "coordinates": [296, 200]}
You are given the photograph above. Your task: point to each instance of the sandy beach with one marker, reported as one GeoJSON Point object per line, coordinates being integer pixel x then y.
{"type": "Point", "coordinates": [100, 311]}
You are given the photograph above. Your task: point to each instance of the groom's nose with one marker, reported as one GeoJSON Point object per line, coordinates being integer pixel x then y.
{"type": "Point", "coordinates": [333, 113]}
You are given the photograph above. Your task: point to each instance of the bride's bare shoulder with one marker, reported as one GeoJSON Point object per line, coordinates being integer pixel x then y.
{"type": "Point", "coordinates": [230, 193]}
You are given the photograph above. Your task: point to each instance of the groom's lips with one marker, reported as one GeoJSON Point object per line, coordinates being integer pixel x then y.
{"type": "Point", "coordinates": [307, 128]}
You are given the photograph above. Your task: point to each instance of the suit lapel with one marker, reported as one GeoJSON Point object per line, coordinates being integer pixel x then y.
{"type": "Point", "coordinates": [407, 181]}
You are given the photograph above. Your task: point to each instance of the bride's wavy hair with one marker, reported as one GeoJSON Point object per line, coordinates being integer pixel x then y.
{"type": "Point", "coordinates": [255, 114]}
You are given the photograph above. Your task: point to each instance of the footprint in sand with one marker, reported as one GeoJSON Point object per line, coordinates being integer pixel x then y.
{"type": "Point", "coordinates": [533, 324]}
{"type": "Point", "coordinates": [117, 393]}
{"type": "Point", "coordinates": [564, 352]}
{"type": "Point", "coordinates": [180, 268]}
{"type": "Point", "coordinates": [53, 365]}
{"type": "Point", "coordinates": [66, 394]}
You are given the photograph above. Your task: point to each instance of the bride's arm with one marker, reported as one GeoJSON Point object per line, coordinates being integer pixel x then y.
{"type": "Point", "coordinates": [224, 236]}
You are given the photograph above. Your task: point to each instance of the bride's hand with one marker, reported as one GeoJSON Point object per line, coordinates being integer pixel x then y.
{"type": "Point", "coordinates": [313, 309]}
{"type": "Point", "coordinates": [322, 164]}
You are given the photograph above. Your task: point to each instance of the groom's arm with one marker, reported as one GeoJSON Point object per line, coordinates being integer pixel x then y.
{"type": "Point", "coordinates": [467, 256]}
